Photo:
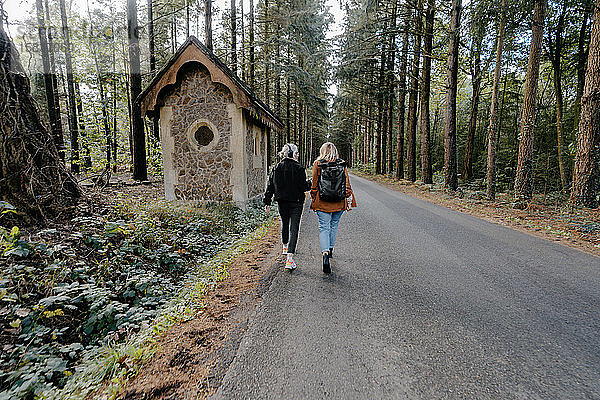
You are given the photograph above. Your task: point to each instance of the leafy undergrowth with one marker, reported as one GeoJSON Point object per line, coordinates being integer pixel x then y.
{"type": "Point", "coordinates": [546, 215]}
{"type": "Point", "coordinates": [81, 302]}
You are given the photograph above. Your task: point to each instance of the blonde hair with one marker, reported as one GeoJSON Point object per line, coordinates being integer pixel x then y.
{"type": "Point", "coordinates": [286, 149]}
{"type": "Point", "coordinates": [328, 152]}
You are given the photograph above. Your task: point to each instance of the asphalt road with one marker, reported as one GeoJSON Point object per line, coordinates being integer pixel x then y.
{"type": "Point", "coordinates": [424, 303]}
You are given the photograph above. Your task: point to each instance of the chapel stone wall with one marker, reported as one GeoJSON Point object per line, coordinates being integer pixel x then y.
{"type": "Point", "coordinates": [202, 170]}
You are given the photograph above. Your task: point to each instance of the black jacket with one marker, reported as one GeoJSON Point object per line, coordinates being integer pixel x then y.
{"type": "Point", "coordinates": [287, 182]}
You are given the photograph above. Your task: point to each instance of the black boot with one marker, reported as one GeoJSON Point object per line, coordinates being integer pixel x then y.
{"type": "Point", "coordinates": [331, 252]}
{"type": "Point", "coordinates": [326, 265]}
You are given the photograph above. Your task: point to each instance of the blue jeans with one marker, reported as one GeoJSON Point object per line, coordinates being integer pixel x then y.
{"type": "Point", "coordinates": [328, 226]}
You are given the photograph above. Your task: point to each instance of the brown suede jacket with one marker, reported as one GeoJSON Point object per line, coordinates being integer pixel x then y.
{"type": "Point", "coordinates": [318, 205]}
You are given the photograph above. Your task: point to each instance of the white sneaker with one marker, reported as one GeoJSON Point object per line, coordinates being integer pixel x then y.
{"type": "Point", "coordinates": [289, 264]}
{"type": "Point", "coordinates": [285, 249]}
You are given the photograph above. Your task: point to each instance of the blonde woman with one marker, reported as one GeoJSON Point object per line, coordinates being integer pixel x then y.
{"type": "Point", "coordinates": [331, 195]}
{"type": "Point", "coordinates": [288, 183]}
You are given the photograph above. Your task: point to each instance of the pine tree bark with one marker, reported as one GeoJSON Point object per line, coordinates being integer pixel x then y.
{"type": "Point", "coordinates": [152, 51]}
{"type": "Point", "coordinates": [114, 102]}
{"type": "Point", "coordinates": [582, 52]}
{"type": "Point", "coordinates": [469, 148]}
{"type": "Point", "coordinates": [368, 135]}
{"type": "Point", "coordinates": [187, 19]}
{"type": "Point", "coordinates": [524, 178]}
{"type": "Point", "coordinates": [243, 44]}
{"type": "Point", "coordinates": [151, 41]}
{"type": "Point", "coordinates": [450, 167]}
{"type": "Point", "coordinates": [233, 37]}
{"type": "Point", "coordinates": [251, 51]}
{"type": "Point", "coordinates": [135, 78]}
{"type": "Point", "coordinates": [426, 170]}
{"type": "Point", "coordinates": [493, 127]}
{"type": "Point", "coordinates": [555, 46]}
{"type": "Point", "coordinates": [208, 24]}
{"type": "Point", "coordinates": [73, 126]}
{"type": "Point", "coordinates": [50, 90]}
{"type": "Point", "coordinates": [266, 55]}
{"type": "Point", "coordinates": [380, 110]}
{"type": "Point", "coordinates": [279, 142]}
{"type": "Point", "coordinates": [402, 100]}
{"type": "Point", "coordinates": [391, 89]}
{"type": "Point", "coordinates": [586, 176]}
{"type": "Point", "coordinates": [32, 176]}
{"type": "Point", "coordinates": [477, 38]}
{"type": "Point", "coordinates": [62, 149]}
{"type": "Point", "coordinates": [411, 142]}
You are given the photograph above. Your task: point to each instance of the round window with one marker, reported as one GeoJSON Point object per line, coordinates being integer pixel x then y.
{"type": "Point", "coordinates": [204, 135]}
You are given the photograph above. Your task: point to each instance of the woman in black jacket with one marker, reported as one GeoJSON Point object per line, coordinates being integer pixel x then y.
{"type": "Point", "coordinates": [288, 183]}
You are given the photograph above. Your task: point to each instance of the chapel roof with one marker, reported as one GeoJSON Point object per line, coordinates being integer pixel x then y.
{"type": "Point", "coordinates": [192, 50]}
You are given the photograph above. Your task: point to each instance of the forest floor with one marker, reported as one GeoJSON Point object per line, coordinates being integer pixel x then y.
{"type": "Point", "coordinates": [87, 299]}
{"type": "Point", "coordinates": [194, 356]}
{"type": "Point", "coordinates": [575, 227]}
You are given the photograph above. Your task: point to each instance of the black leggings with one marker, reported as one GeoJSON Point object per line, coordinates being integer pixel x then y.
{"type": "Point", "coordinates": [290, 212]}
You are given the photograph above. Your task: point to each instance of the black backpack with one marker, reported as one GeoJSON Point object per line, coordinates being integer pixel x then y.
{"type": "Point", "coordinates": [332, 181]}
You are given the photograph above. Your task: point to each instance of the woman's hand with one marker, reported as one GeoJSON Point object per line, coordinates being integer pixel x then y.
{"type": "Point", "coordinates": [267, 209]}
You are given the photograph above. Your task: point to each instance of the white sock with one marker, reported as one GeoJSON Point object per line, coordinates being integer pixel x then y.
{"type": "Point", "coordinates": [290, 256]}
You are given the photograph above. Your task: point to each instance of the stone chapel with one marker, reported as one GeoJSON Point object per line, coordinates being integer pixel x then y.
{"type": "Point", "coordinates": [214, 131]}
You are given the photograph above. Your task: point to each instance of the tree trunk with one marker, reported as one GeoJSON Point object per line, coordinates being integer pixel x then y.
{"type": "Point", "coordinates": [391, 89]}
{"type": "Point", "coordinates": [187, 19]}
{"type": "Point", "coordinates": [586, 176]}
{"type": "Point", "coordinates": [251, 49]}
{"type": "Point", "coordinates": [61, 148]}
{"type": "Point", "coordinates": [53, 116]}
{"type": "Point", "coordinates": [450, 167]}
{"type": "Point", "coordinates": [477, 38]}
{"type": "Point", "coordinates": [32, 176]}
{"type": "Point", "coordinates": [151, 48]}
{"type": "Point", "coordinates": [278, 85]}
{"type": "Point", "coordinates": [555, 46]}
{"type": "Point", "coordinates": [582, 52]}
{"type": "Point", "coordinates": [402, 100]}
{"type": "Point", "coordinates": [73, 127]}
{"type": "Point", "coordinates": [233, 38]}
{"type": "Point", "coordinates": [243, 44]}
{"type": "Point", "coordinates": [207, 23]}
{"type": "Point", "coordinates": [524, 178]}
{"type": "Point", "coordinates": [114, 102]}
{"type": "Point", "coordinates": [469, 148]}
{"type": "Point", "coordinates": [125, 59]}
{"type": "Point", "coordinates": [426, 172]}
{"type": "Point", "coordinates": [493, 127]}
{"type": "Point", "coordinates": [265, 48]}
{"type": "Point", "coordinates": [135, 78]}
{"type": "Point", "coordinates": [411, 145]}
{"type": "Point", "coordinates": [384, 129]}
{"type": "Point", "coordinates": [380, 111]}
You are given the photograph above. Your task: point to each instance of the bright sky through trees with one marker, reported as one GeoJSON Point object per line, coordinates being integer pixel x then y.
{"type": "Point", "coordinates": [18, 10]}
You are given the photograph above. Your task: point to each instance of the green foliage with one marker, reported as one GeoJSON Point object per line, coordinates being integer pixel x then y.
{"type": "Point", "coordinates": [70, 293]}
{"type": "Point", "coordinates": [365, 168]}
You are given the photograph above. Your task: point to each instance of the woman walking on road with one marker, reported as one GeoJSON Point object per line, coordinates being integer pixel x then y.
{"type": "Point", "coordinates": [331, 194]}
{"type": "Point", "coordinates": [288, 183]}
